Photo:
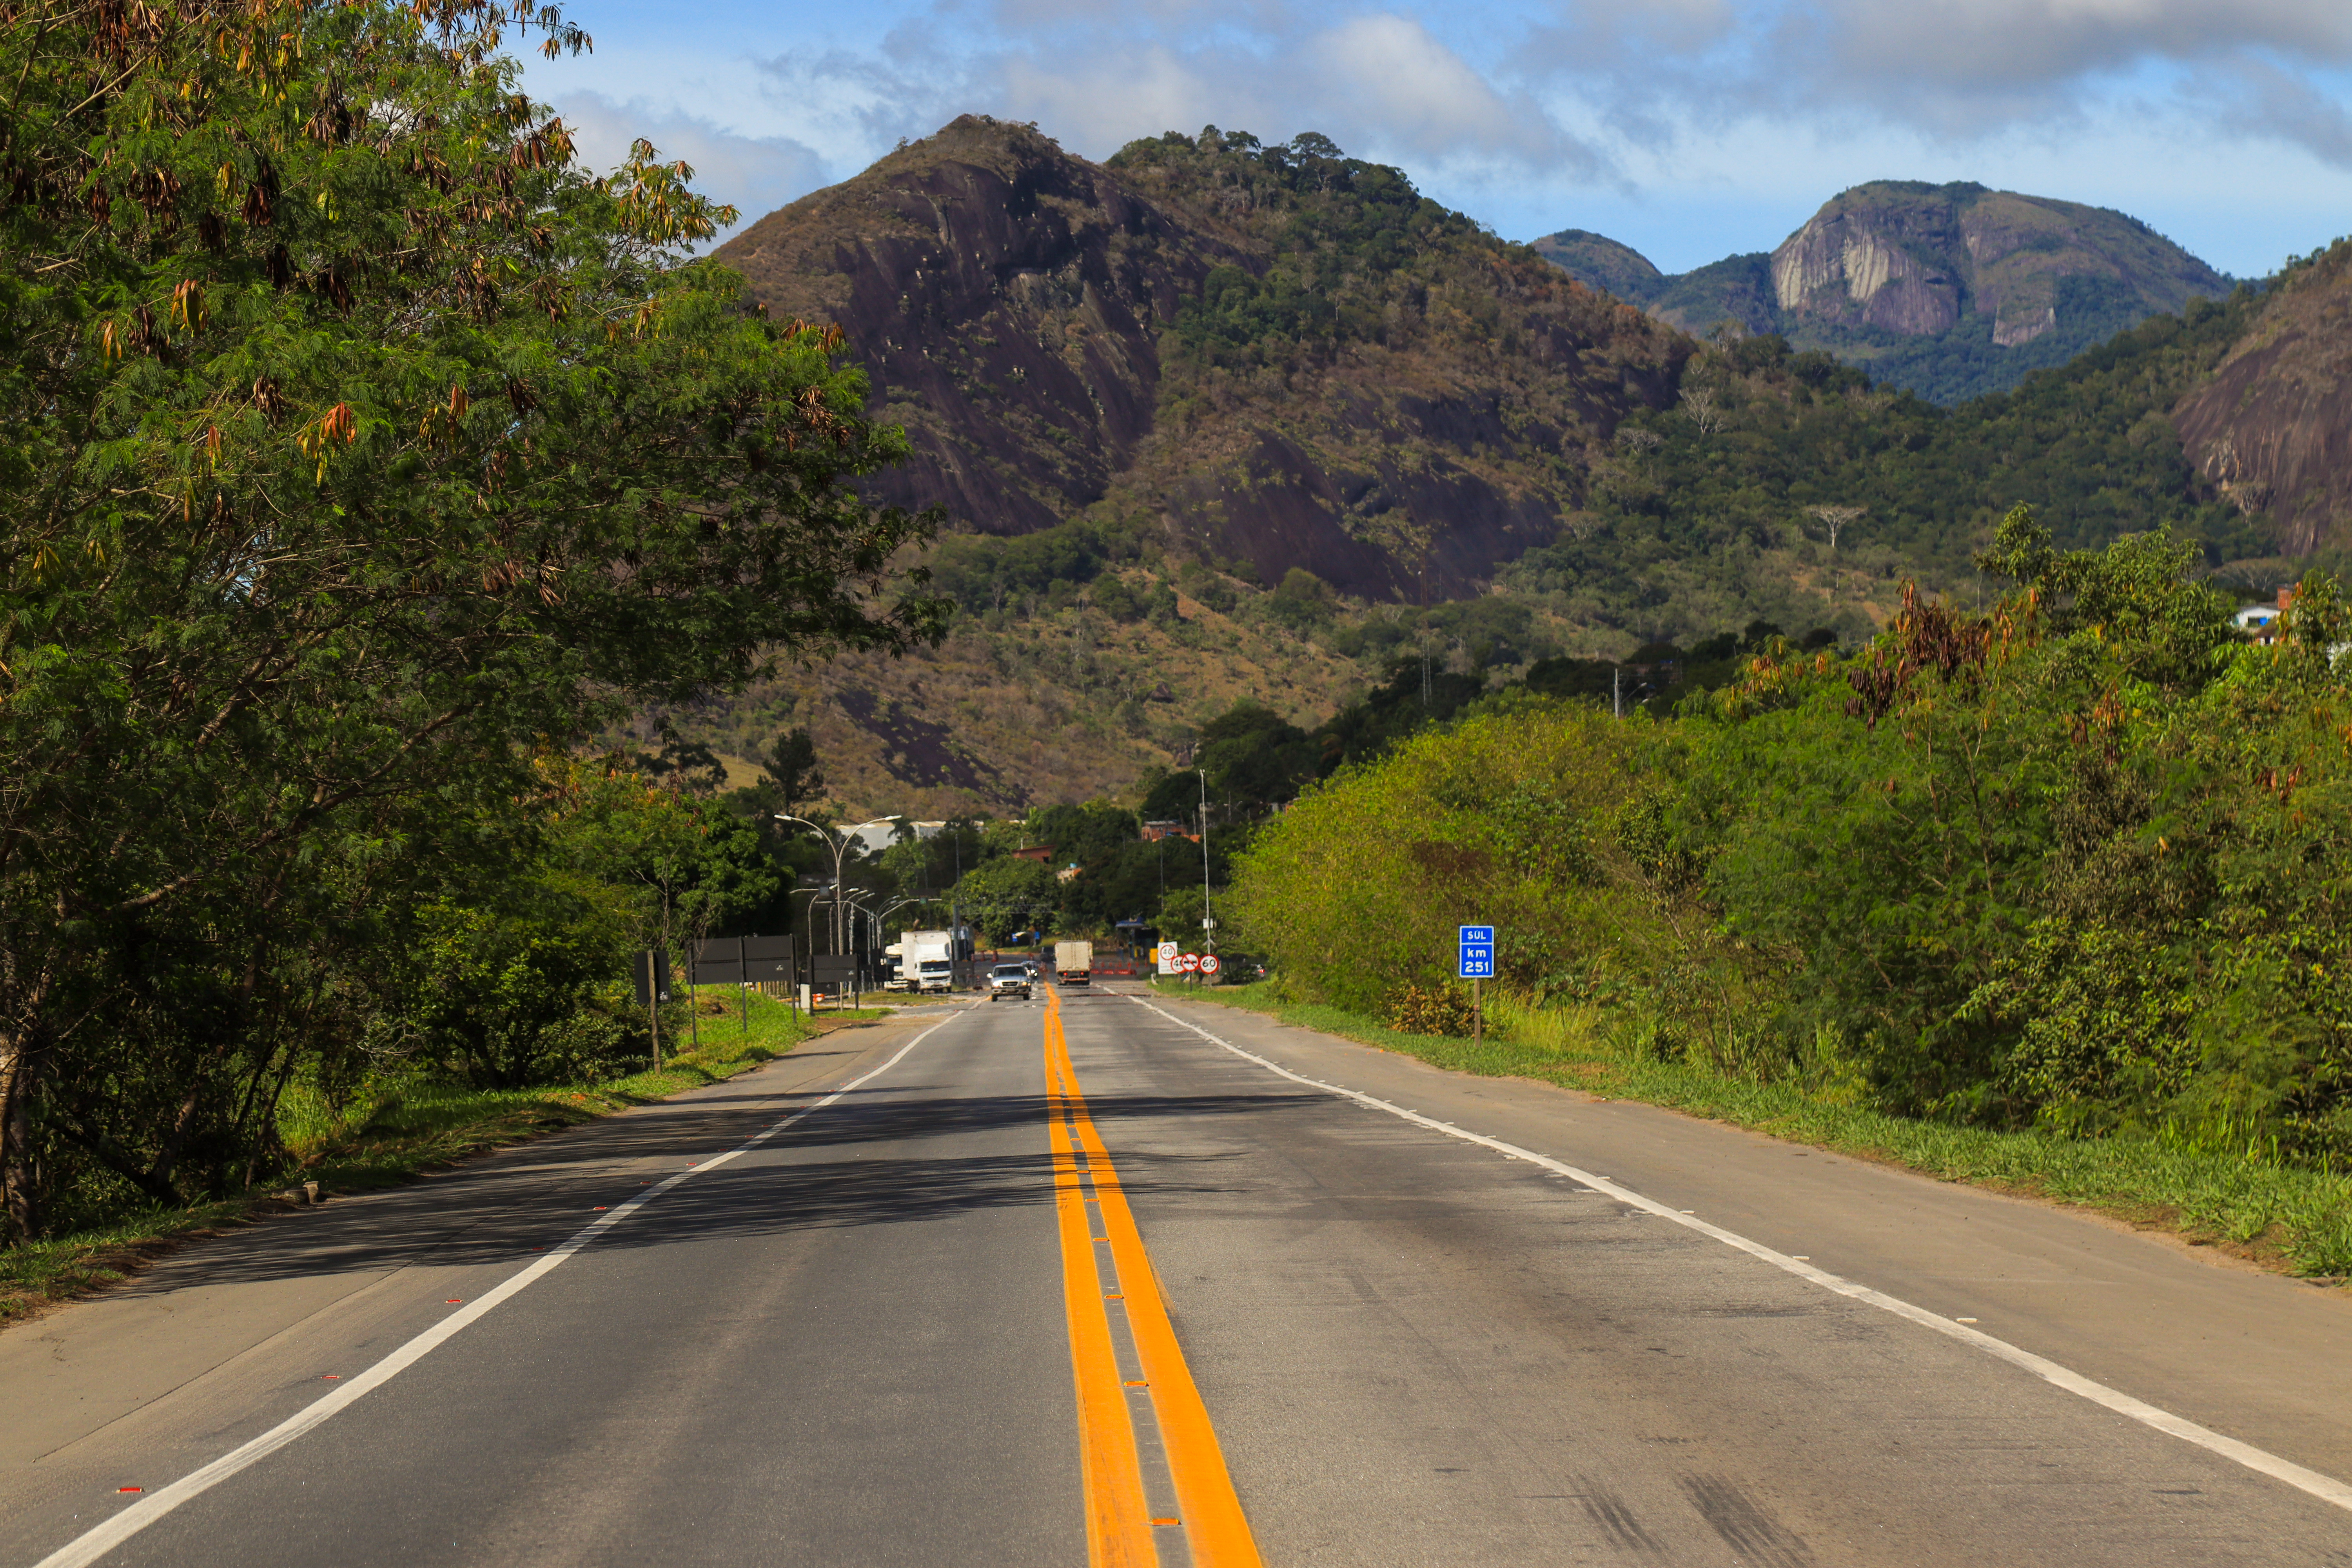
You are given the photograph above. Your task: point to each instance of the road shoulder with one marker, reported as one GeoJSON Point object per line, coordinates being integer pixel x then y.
{"type": "Point", "coordinates": [2254, 1355]}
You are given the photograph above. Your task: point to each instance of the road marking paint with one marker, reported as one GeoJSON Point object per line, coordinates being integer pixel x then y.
{"type": "Point", "coordinates": [1109, 1466]}
{"type": "Point", "coordinates": [1119, 1528]}
{"type": "Point", "coordinates": [2327, 1488]}
{"type": "Point", "coordinates": [86, 1549]}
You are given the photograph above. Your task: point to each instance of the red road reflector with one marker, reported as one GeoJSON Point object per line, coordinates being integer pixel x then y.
{"type": "Point", "coordinates": [130, 1488]}
{"type": "Point", "coordinates": [330, 1377]}
{"type": "Point", "coordinates": [599, 1209]}
{"type": "Point", "coordinates": [457, 1300]}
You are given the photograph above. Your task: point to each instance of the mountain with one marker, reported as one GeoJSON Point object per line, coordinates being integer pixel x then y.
{"type": "Point", "coordinates": [1949, 291]}
{"type": "Point", "coordinates": [1275, 356]}
{"type": "Point", "coordinates": [1214, 420]}
{"type": "Point", "coordinates": [2271, 431]}
{"type": "Point", "coordinates": [1599, 262]}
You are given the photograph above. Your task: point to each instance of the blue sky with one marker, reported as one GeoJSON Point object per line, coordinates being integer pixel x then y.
{"type": "Point", "coordinates": [1688, 129]}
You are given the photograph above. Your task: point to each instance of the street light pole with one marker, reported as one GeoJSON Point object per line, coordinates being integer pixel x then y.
{"type": "Point", "coordinates": [839, 844]}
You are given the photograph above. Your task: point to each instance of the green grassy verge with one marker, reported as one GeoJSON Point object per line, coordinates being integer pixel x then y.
{"type": "Point", "coordinates": [2287, 1217]}
{"type": "Point", "coordinates": [397, 1134]}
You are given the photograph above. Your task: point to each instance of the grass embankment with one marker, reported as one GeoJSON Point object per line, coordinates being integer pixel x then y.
{"type": "Point", "coordinates": [2287, 1217]}
{"type": "Point", "coordinates": [392, 1135]}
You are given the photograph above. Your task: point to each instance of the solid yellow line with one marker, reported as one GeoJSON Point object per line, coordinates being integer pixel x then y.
{"type": "Point", "coordinates": [1118, 1524]}
{"type": "Point", "coordinates": [1215, 1526]}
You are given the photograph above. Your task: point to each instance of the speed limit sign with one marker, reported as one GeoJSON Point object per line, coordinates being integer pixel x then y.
{"type": "Point", "coordinates": [1209, 964]}
{"type": "Point", "coordinates": [1189, 962]}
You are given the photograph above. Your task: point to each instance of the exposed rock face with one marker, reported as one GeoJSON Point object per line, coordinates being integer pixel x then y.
{"type": "Point", "coordinates": [1980, 269]}
{"type": "Point", "coordinates": [1005, 299]}
{"type": "Point", "coordinates": [2272, 432]}
{"type": "Point", "coordinates": [1013, 305]}
{"type": "Point", "coordinates": [1878, 265]}
{"type": "Point", "coordinates": [1912, 259]}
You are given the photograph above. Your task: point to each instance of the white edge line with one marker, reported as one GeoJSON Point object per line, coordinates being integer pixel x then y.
{"type": "Point", "coordinates": [87, 1548]}
{"type": "Point", "coordinates": [2327, 1488]}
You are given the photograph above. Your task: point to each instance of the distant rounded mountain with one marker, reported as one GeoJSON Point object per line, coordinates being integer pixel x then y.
{"type": "Point", "coordinates": [1951, 291]}
{"type": "Point", "coordinates": [1599, 262]}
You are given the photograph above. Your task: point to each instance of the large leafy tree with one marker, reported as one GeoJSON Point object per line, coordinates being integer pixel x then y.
{"type": "Point", "coordinates": [355, 441]}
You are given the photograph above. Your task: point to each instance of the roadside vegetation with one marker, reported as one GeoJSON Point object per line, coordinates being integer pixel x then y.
{"type": "Point", "coordinates": [2070, 868]}
{"type": "Point", "coordinates": [404, 1123]}
{"type": "Point", "coordinates": [360, 455]}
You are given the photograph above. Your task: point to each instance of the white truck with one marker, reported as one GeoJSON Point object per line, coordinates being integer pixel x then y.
{"type": "Point", "coordinates": [926, 961]}
{"type": "Point", "coordinates": [1074, 962]}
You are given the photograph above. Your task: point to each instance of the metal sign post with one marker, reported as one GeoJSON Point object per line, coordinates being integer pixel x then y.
{"type": "Point", "coordinates": [1477, 964]}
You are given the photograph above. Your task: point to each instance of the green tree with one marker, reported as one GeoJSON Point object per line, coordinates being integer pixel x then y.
{"type": "Point", "coordinates": [1007, 895]}
{"type": "Point", "coordinates": [792, 768]}
{"type": "Point", "coordinates": [355, 441]}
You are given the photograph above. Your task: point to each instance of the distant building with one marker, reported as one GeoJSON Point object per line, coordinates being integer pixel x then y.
{"type": "Point", "coordinates": [1153, 832]}
{"type": "Point", "coordinates": [1041, 853]}
{"type": "Point", "coordinates": [2262, 621]}
{"type": "Point", "coordinates": [877, 837]}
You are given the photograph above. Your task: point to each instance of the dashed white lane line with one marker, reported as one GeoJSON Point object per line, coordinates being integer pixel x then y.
{"type": "Point", "coordinates": [89, 1548]}
{"type": "Point", "coordinates": [2327, 1488]}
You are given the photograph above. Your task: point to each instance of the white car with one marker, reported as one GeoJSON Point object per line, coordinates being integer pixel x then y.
{"type": "Point", "coordinates": [1009, 980]}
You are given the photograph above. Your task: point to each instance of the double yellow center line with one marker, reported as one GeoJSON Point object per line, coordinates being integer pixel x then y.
{"type": "Point", "coordinates": [1142, 1428]}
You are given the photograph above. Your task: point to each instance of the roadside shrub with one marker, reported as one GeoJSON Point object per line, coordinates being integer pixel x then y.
{"type": "Point", "coordinates": [1441, 1009]}
{"type": "Point", "coordinates": [1355, 891]}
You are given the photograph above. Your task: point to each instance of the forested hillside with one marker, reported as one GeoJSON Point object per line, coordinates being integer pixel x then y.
{"type": "Point", "coordinates": [1781, 488]}
{"type": "Point", "coordinates": [1276, 382]}
{"type": "Point", "coordinates": [1271, 355]}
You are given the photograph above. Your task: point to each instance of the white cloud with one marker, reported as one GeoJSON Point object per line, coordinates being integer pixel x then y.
{"type": "Point", "coordinates": [755, 174]}
{"type": "Point", "coordinates": [1382, 84]}
{"type": "Point", "coordinates": [1110, 101]}
{"type": "Point", "coordinates": [1671, 122]}
{"type": "Point", "coordinates": [1388, 73]}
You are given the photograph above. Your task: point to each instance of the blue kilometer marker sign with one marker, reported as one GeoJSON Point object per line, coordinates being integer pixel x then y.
{"type": "Point", "coordinates": [1477, 953]}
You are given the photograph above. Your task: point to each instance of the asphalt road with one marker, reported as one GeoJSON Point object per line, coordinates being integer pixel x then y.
{"type": "Point", "coordinates": [1061, 1282]}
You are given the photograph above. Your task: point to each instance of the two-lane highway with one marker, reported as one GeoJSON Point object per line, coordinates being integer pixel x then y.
{"type": "Point", "coordinates": [1073, 1281]}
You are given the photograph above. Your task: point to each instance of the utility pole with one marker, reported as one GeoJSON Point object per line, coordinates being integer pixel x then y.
{"type": "Point", "coordinates": [1208, 921]}
{"type": "Point", "coordinates": [1617, 691]}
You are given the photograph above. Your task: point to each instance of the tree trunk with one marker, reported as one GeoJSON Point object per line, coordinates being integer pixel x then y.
{"type": "Point", "coordinates": [20, 1065]}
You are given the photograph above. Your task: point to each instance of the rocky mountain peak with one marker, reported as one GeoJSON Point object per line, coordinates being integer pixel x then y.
{"type": "Point", "coordinates": [2271, 431]}
{"type": "Point", "coordinates": [1913, 258]}
{"type": "Point", "coordinates": [989, 281]}
{"type": "Point", "coordinates": [1272, 355]}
